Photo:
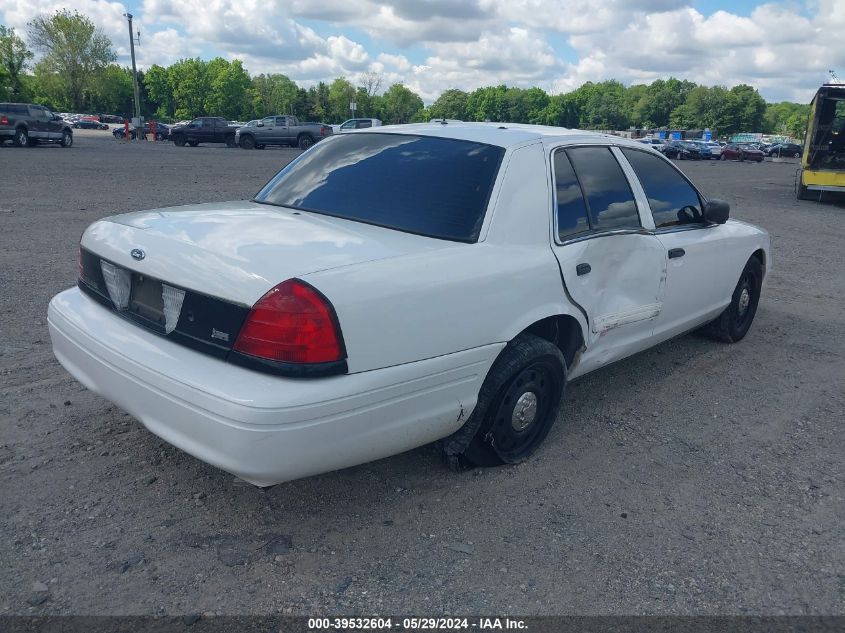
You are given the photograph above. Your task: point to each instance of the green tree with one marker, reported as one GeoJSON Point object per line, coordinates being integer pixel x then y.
{"type": "Point", "coordinates": [159, 92]}
{"type": "Point", "coordinates": [14, 57]}
{"type": "Point", "coordinates": [189, 85]}
{"type": "Point", "coordinates": [660, 98]}
{"type": "Point", "coordinates": [451, 104]}
{"type": "Point", "coordinates": [786, 118]}
{"type": "Point", "coordinates": [602, 105]}
{"type": "Point", "coordinates": [683, 118]}
{"type": "Point", "coordinates": [230, 93]}
{"type": "Point", "coordinates": [341, 93]}
{"type": "Point", "coordinates": [317, 102]}
{"type": "Point", "coordinates": [562, 110]}
{"type": "Point", "coordinates": [74, 49]}
{"type": "Point", "coordinates": [401, 104]}
{"type": "Point", "coordinates": [113, 91]}
{"type": "Point", "coordinates": [275, 94]}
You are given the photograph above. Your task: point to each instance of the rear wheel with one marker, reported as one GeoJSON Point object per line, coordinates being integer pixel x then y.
{"type": "Point", "coordinates": [21, 137]}
{"type": "Point", "coordinates": [67, 139]}
{"type": "Point", "coordinates": [305, 141]}
{"type": "Point", "coordinates": [179, 140]}
{"type": "Point", "coordinates": [230, 141]}
{"type": "Point", "coordinates": [796, 154]}
{"type": "Point", "coordinates": [517, 406]}
{"type": "Point", "coordinates": [733, 324]}
{"type": "Point", "coordinates": [247, 142]}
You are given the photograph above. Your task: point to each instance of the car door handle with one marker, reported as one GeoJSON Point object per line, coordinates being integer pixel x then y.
{"type": "Point", "coordinates": [582, 269]}
{"type": "Point", "coordinates": [676, 252]}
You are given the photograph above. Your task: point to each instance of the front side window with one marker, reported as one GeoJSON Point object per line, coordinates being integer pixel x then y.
{"type": "Point", "coordinates": [417, 184]}
{"type": "Point", "coordinates": [349, 125]}
{"type": "Point", "coordinates": [270, 121]}
{"type": "Point", "coordinates": [672, 199]}
{"type": "Point", "coordinates": [610, 202]}
{"type": "Point", "coordinates": [571, 208]}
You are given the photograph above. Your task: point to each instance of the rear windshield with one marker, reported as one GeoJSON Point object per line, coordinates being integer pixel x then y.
{"type": "Point", "coordinates": [418, 184]}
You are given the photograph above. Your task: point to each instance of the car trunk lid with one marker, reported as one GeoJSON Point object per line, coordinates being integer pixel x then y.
{"type": "Point", "coordinates": [237, 251]}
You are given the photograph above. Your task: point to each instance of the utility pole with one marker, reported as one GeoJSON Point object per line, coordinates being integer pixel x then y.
{"type": "Point", "coordinates": [134, 73]}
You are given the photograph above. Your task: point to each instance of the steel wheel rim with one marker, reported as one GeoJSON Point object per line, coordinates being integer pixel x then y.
{"type": "Point", "coordinates": [742, 312]}
{"type": "Point", "coordinates": [521, 415]}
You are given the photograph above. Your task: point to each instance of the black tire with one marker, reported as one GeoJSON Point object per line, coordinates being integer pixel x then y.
{"type": "Point", "coordinates": [722, 157]}
{"type": "Point", "coordinates": [21, 137]}
{"type": "Point", "coordinates": [67, 139]}
{"type": "Point", "coordinates": [526, 381]}
{"type": "Point", "coordinates": [230, 141]}
{"type": "Point", "coordinates": [304, 141]}
{"type": "Point", "coordinates": [193, 143]}
{"type": "Point", "coordinates": [733, 324]}
{"type": "Point", "coordinates": [248, 142]}
{"type": "Point", "coordinates": [179, 140]}
{"type": "Point", "coordinates": [796, 154]}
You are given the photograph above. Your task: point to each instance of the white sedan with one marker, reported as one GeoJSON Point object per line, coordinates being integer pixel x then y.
{"type": "Point", "coordinates": [397, 286]}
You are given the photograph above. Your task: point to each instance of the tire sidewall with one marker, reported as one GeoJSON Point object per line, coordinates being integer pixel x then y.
{"type": "Point", "coordinates": [524, 351]}
{"type": "Point", "coordinates": [67, 139]}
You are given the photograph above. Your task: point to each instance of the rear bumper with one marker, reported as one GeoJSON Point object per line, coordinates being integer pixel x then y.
{"type": "Point", "coordinates": [264, 429]}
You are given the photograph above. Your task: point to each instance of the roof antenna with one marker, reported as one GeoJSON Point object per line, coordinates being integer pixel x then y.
{"type": "Point", "coordinates": [834, 79]}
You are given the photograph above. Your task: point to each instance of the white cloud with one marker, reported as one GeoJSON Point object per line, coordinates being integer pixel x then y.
{"type": "Point", "coordinates": [783, 49]}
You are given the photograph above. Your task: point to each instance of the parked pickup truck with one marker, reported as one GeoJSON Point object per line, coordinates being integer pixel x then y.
{"type": "Point", "coordinates": [207, 129]}
{"type": "Point", "coordinates": [281, 130]}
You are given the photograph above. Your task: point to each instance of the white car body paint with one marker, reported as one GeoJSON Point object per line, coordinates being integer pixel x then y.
{"type": "Point", "coordinates": [422, 319]}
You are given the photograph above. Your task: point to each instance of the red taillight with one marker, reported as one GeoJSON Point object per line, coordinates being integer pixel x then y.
{"type": "Point", "coordinates": [323, 131]}
{"type": "Point", "coordinates": [4, 120]}
{"type": "Point", "coordinates": [292, 323]}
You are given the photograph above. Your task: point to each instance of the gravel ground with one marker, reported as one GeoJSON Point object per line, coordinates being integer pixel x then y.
{"type": "Point", "coordinates": [696, 478]}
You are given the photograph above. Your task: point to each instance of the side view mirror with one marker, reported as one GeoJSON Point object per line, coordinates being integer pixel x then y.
{"type": "Point", "coordinates": [717, 211]}
{"type": "Point", "coordinates": [259, 124]}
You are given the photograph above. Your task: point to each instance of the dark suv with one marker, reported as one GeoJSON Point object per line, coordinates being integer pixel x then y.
{"type": "Point", "coordinates": [28, 124]}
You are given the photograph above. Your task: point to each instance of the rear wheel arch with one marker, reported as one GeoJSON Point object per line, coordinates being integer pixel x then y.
{"type": "Point", "coordinates": [563, 330]}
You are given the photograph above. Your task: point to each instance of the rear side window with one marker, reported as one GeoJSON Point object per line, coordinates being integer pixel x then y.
{"type": "Point", "coordinates": [571, 208]}
{"type": "Point", "coordinates": [672, 199]}
{"type": "Point", "coordinates": [610, 201]}
{"type": "Point", "coordinates": [418, 184]}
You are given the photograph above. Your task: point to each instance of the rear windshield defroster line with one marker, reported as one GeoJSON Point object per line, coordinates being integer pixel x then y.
{"type": "Point", "coordinates": [425, 185]}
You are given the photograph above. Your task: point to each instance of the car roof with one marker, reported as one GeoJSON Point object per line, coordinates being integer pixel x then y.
{"type": "Point", "coordinates": [505, 135]}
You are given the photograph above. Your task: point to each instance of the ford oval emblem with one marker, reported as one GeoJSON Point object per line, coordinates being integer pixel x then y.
{"type": "Point", "coordinates": [137, 254]}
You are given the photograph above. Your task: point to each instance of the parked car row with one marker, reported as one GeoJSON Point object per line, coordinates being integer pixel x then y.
{"type": "Point", "coordinates": [162, 131]}
{"type": "Point", "coordinates": [89, 124]}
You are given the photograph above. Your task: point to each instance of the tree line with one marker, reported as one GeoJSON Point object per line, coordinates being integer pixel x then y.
{"type": "Point", "coordinates": [76, 72]}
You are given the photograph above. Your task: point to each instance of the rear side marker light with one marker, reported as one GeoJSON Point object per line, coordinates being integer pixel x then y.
{"type": "Point", "coordinates": [118, 283]}
{"type": "Point", "coordinates": [292, 323]}
{"type": "Point", "coordinates": [4, 120]}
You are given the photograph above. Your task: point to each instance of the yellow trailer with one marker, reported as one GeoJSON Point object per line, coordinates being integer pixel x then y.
{"type": "Point", "coordinates": [823, 161]}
